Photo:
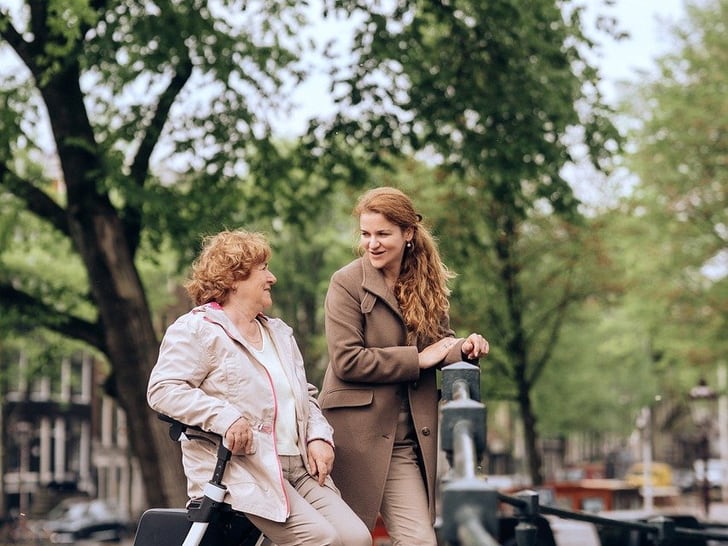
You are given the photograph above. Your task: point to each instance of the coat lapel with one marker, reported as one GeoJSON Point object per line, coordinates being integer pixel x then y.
{"type": "Point", "coordinates": [373, 282]}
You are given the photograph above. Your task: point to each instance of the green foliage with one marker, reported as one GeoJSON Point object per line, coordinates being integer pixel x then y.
{"type": "Point", "coordinates": [486, 89]}
{"type": "Point", "coordinates": [680, 203]}
{"type": "Point", "coordinates": [177, 95]}
{"type": "Point", "coordinates": [468, 106]}
{"type": "Point", "coordinates": [67, 21]}
{"type": "Point", "coordinates": [600, 378]}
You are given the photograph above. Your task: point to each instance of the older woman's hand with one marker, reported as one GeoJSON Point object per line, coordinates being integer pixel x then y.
{"type": "Point", "coordinates": [475, 346]}
{"type": "Point", "coordinates": [321, 459]}
{"type": "Point", "coordinates": [239, 438]}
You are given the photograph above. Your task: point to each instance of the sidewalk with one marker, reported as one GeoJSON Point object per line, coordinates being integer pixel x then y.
{"type": "Point", "coordinates": [718, 513]}
{"type": "Point", "coordinates": [690, 504]}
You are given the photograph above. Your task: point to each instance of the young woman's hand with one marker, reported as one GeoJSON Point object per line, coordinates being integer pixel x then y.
{"type": "Point", "coordinates": [433, 354]}
{"type": "Point", "coordinates": [472, 348]}
{"type": "Point", "coordinates": [475, 346]}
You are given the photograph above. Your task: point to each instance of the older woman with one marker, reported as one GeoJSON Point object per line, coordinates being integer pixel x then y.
{"type": "Point", "coordinates": [388, 329]}
{"type": "Point", "coordinates": [227, 368]}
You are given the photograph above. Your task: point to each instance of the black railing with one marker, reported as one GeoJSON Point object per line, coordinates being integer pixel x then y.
{"type": "Point", "coordinates": [469, 506]}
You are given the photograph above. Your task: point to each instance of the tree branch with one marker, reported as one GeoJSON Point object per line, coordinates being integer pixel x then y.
{"type": "Point", "coordinates": [45, 316]}
{"type": "Point", "coordinates": [36, 200]}
{"type": "Point", "coordinates": [9, 33]}
{"type": "Point", "coordinates": [559, 312]}
{"type": "Point", "coordinates": [140, 165]}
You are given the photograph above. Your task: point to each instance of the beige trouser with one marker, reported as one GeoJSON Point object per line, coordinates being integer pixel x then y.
{"type": "Point", "coordinates": [404, 507]}
{"type": "Point", "coordinates": [319, 516]}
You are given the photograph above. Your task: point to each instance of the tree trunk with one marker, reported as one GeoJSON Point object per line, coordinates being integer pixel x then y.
{"type": "Point", "coordinates": [131, 343]}
{"type": "Point", "coordinates": [533, 452]}
{"type": "Point", "coordinates": [132, 347]}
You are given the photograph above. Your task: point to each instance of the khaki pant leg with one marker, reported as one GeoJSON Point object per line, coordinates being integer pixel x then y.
{"type": "Point", "coordinates": [318, 514]}
{"type": "Point", "coordinates": [404, 508]}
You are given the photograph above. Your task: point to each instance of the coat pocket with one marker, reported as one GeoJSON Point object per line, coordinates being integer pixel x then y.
{"type": "Point", "coordinates": [347, 398]}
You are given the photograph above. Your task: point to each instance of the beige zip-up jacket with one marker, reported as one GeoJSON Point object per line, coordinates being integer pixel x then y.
{"type": "Point", "coordinates": [207, 376]}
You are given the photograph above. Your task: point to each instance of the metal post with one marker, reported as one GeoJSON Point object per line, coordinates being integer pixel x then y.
{"type": "Point", "coordinates": [470, 529]}
{"type": "Point", "coordinates": [464, 450]}
{"type": "Point", "coordinates": [644, 424]}
{"type": "Point", "coordinates": [23, 431]}
{"type": "Point", "coordinates": [723, 429]}
{"type": "Point", "coordinates": [705, 486]}
{"type": "Point", "coordinates": [469, 505]}
{"type": "Point", "coordinates": [702, 399]}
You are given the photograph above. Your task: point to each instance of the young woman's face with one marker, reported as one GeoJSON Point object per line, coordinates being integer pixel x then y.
{"type": "Point", "coordinates": [382, 241]}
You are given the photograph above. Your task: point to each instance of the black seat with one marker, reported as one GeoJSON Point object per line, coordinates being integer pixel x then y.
{"type": "Point", "coordinates": [170, 526]}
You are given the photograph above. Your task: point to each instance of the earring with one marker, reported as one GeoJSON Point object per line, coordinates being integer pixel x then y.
{"type": "Point", "coordinates": [409, 244]}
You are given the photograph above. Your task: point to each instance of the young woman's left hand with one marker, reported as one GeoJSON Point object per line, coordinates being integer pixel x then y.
{"type": "Point", "coordinates": [475, 346]}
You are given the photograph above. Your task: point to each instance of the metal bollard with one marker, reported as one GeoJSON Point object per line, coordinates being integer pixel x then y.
{"type": "Point", "coordinates": [469, 506]}
{"type": "Point", "coordinates": [526, 534]}
{"type": "Point", "coordinates": [526, 531]}
{"type": "Point", "coordinates": [468, 503]}
{"type": "Point", "coordinates": [530, 507]}
{"type": "Point", "coordinates": [458, 419]}
{"type": "Point", "coordinates": [666, 535]}
{"type": "Point", "coordinates": [471, 531]}
{"type": "Point", "coordinates": [464, 372]}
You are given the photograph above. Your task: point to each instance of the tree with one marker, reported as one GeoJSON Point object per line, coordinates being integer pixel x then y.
{"type": "Point", "coordinates": [492, 93]}
{"type": "Point", "coordinates": [304, 257]}
{"type": "Point", "coordinates": [680, 152]}
{"type": "Point", "coordinates": [107, 90]}
{"type": "Point", "coordinates": [664, 325]}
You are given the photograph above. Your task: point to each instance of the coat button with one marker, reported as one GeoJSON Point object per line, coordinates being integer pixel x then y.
{"type": "Point", "coordinates": [426, 431]}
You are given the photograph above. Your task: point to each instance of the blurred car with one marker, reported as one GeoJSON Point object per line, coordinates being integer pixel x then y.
{"type": "Point", "coordinates": [684, 478]}
{"type": "Point", "coordinates": [661, 475]}
{"type": "Point", "coordinates": [77, 519]}
{"type": "Point", "coordinates": [716, 470]}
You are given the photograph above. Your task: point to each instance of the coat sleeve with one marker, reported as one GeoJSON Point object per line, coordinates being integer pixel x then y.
{"type": "Point", "coordinates": [174, 384]}
{"type": "Point", "coordinates": [352, 357]}
{"type": "Point", "coordinates": [455, 354]}
{"type": "Point", "coordinates": [318, 427]}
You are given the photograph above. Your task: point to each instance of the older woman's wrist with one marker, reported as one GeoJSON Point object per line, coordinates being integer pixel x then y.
{"type": "Point", "coordinates": [328, 441]}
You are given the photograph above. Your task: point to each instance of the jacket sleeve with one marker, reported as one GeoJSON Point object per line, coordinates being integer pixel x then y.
{"type": "Point", "coordinates": [174, 384]}
{"type": "Point", "coordinates": [352, 359]}
{"type": "Point", "coordinates": [318, 427]}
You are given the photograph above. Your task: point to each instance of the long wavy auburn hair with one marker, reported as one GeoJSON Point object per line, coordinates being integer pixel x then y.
{"type": "Point", "coordinates": [422, 287]}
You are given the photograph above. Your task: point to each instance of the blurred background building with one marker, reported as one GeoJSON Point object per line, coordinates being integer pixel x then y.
{"type": "Point", "coordinates": [60, 436]}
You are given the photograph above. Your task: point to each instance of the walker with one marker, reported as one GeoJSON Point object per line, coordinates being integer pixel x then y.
{"type": "Point", "coordinates": [206, 521]}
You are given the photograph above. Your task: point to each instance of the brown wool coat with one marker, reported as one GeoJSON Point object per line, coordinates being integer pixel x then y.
{"type": "Point", "coordinates": [370, 367]}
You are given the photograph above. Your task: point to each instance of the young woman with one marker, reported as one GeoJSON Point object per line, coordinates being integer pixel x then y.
{"type": "Point", "coordinates": [388, 330]}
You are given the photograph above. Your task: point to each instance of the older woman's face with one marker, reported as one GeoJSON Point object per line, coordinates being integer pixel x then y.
{"type": "Point", "coordinates": [255, 291]}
